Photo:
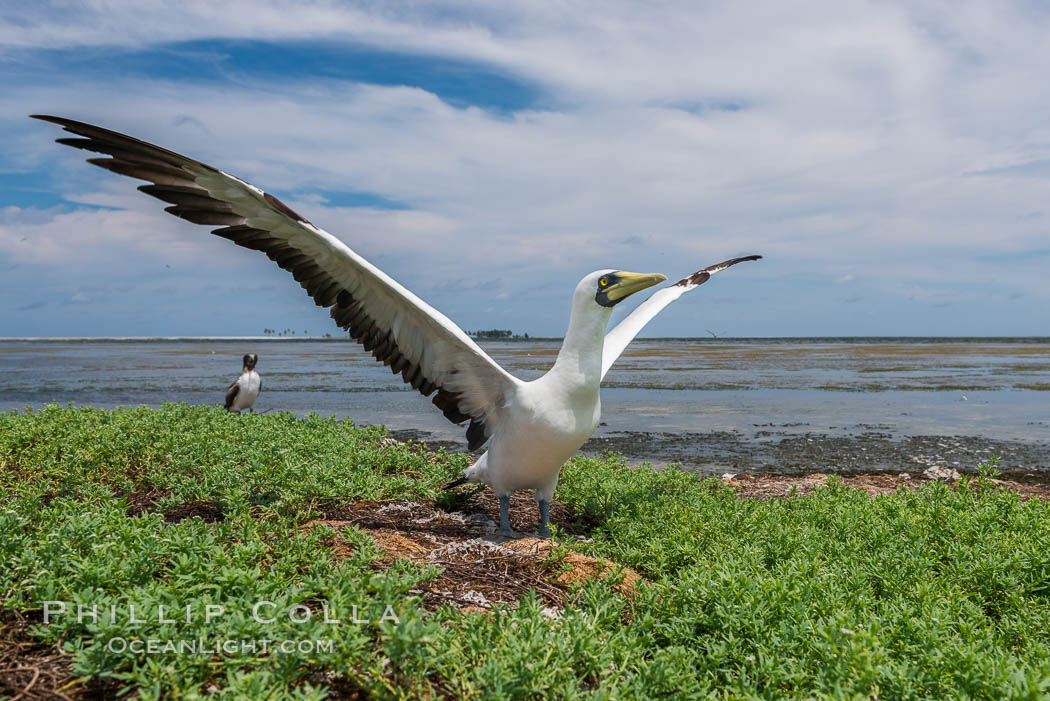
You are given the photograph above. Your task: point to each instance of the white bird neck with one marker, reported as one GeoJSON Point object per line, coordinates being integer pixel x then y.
{"type": "Point", "coordinates": [580, 358]}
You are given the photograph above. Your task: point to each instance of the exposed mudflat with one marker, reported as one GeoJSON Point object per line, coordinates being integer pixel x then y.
{"type": "Point", "coordinates": [785, 451]}
{"type": "Point", "coordinates": [783, 406]}
{"type": "Point", "coordinates": [780, 450]}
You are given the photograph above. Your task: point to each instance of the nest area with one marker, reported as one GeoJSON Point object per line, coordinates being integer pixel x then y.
{"type": "Point", "coordinates": [479, 569]}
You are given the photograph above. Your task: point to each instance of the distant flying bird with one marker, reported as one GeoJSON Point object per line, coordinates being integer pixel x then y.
{"type": "Point", "coordinates": [241, 395]}
{"type": "Point", "coordinates": [531, 428]}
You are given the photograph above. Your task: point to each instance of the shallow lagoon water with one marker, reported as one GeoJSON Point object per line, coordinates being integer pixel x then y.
{"type": "Point", "coordinates": [787, 405]}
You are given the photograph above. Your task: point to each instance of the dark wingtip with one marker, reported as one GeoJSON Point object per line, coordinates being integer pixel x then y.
{"type": "Point", "coordinates": [733, 261]}
{"type": "Point", "coordinates": [455, 483]}
{"type": "Point", "coordinates": [61, 121]}
{"type": "Point", "coordinates": [727, 263]}
{"type": "Point", "coordinates": [702, 276]}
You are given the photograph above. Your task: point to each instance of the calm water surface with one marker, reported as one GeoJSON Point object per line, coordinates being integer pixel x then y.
{"type": "Point", "coordinates": [691, 392]}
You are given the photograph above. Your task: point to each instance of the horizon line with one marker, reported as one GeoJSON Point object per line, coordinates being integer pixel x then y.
{"type": "Point", "coordinates": [511, 340]}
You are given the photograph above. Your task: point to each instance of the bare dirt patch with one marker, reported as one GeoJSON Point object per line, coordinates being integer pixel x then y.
{"type": "Point", "coordinates": [144, 501]}
{"type": "Point", "coordinates": [30, 669]}
{"type": "Point", "coordinates": [204, 510]}
{"type": "Point", "coordinates": [574, 567]}
{"type": "Point", "coordinates": [148, 502]}
{"type": "Point", "coordinates": [479, 569]}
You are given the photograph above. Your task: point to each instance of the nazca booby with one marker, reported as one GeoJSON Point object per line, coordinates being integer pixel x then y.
{"type": "Point", "coordinates": [531, 428]}
{"type": "Point", "coordinates": [241, 395]}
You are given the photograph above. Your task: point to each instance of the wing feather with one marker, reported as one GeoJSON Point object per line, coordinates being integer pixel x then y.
{"type": "Point", "coordinates": [400, 330]}
{"type": "Point", "coordinates": [231, 393]}
{"type": "Point", "coordinates": [624, 332]}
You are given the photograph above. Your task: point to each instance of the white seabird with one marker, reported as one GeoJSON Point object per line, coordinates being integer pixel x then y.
{"type": "Point", "coordinates": [241, 395]}
{"type": "Point", "coordinates": [531, 428]}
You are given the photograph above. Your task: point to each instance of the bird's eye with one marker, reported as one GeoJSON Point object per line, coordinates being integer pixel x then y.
{"type": "Point", "coordinates": [604, 282]}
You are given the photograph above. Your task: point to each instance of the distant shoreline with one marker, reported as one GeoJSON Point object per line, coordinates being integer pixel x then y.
{"type": "Point", "coordinates": [174, 338]}
{"type": "Point", "coordinates": [531, 339]}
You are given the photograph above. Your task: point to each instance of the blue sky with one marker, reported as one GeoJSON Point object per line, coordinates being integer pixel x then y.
{"type": "Point", "coordinates": [891, 161]}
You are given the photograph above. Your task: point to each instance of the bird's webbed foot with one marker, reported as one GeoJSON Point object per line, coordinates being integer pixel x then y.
{"type": "Point", "coordinates": [509, 533]}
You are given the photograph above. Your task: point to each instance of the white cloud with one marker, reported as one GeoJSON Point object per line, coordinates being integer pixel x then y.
{"type": "Point", "coordinates": [887, 144]}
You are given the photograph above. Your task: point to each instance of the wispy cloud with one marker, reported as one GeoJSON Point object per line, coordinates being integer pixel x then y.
{"type": "Point", "coordinates": [891, 146]}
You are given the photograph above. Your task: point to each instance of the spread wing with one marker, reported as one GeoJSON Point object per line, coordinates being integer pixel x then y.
{"type": "Point", "coordinates": [617, 339]}
{"type": "Point", "coordinates": [401, 331]}
{"type": "Point", "coordinates": [231, 393]}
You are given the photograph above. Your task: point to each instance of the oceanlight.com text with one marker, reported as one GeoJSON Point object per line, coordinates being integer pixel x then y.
{"type": "Point", "coordinates": [199, 646]}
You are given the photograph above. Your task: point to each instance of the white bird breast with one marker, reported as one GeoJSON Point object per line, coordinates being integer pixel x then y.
{"type": "Point", "coordinates": [249, 382]}
{"type": "Point", "coordinates": [539, 429]}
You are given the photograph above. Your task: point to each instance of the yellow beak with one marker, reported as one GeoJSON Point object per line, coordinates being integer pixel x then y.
{"type": "Point", "coordinates": [629, 283]}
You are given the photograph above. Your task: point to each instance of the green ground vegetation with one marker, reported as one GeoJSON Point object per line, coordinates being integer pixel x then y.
{"type": "Point", "coordinates": [931, 592]}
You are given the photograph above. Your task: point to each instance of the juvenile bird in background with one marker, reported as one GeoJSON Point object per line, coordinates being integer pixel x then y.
{"type": "Point", "coordinates": [241, 395]}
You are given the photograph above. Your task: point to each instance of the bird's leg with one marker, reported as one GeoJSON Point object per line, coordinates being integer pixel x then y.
{"type": "Point", "coordinates": [504, 517]}
{"type": "Point", "coordinates": [545, 517]}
